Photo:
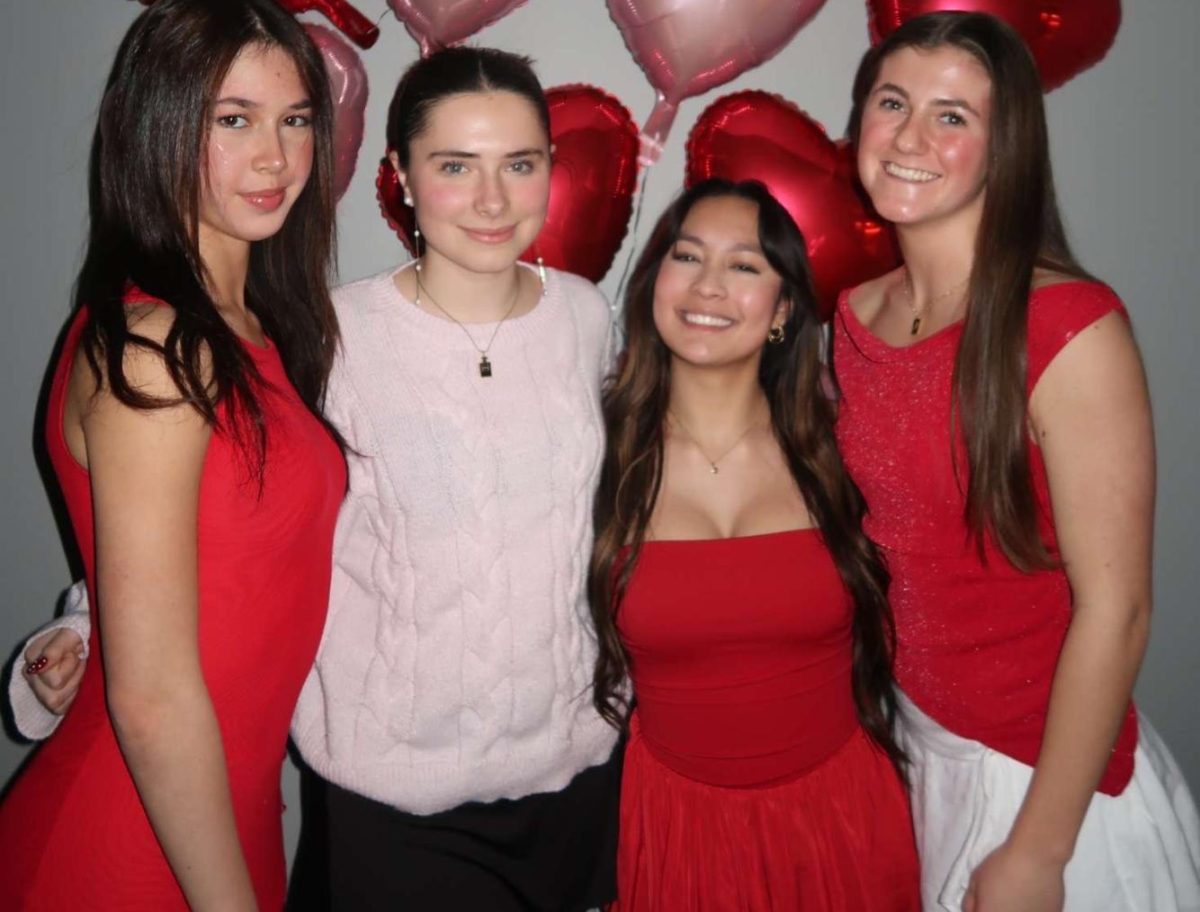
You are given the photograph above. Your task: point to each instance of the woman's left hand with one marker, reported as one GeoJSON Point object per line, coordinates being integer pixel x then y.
{"type": "Point", "coordinates": [1012, 879]}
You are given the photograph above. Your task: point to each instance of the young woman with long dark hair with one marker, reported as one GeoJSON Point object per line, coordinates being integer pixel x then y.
{"type": "Point", "coordinates": [184, 426]}
{"type": "Point", "coordinates": [733, 584]}
{"type": "Point", "coordinates": [996, 417]}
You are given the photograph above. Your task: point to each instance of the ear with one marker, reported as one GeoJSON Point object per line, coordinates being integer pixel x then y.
{"type": "Point", "coordinates": [783, 312]}
{"type": "Point", "coordinates": [394, 159]}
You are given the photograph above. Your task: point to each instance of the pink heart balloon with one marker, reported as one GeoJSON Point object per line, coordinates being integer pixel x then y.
{"type": "Point", "coordinates": [348, 90]}
{"type": "Point", "coordinates": [687, 47]}
{"type": "Point", "coordinates": [438, 23]}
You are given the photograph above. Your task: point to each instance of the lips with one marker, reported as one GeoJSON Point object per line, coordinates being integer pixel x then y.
{"type": "Point", "coordinates": [704, 321]}
{"type": "Point", "coordinates": [491, 235]}
{"type": "Point", "coordinates": [912, 175]}
{"type": "Point", "coordinates": [266, 200]}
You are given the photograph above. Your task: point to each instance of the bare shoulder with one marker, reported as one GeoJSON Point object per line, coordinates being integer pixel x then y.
{"type": "Point", "coordinates": [1046, 278]}
{"type": "Point", "coordinates": [867, 299]}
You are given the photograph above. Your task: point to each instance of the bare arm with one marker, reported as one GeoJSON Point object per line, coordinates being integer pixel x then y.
{"type": "Point", "coordinates": [145, 475]}
{"type": "Point", "coordinates": [1091, 414]}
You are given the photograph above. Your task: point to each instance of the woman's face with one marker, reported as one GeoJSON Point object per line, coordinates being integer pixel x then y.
{"type": "Point", "coordinates": [716, 296]}
{"type": "Point", "coordinates": [479, 178]}
{"type": "Point", "coordinates": [923, 142]}
{"type": "Point", "coordinates": [260, 148]}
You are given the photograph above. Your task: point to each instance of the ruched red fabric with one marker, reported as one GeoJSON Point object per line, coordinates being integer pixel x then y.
{"type": "Point", "coordinates": [748, 783]}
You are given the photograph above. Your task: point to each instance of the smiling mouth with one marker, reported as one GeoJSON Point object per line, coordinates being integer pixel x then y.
{"type": "Point", "coordinates": [267, 200]}
{"type": "Point", "coordinates": [913, 175]}
{"type": "Point", "coordinates": [709, 321]}
{"type": "Point", "coordinates": [492, 235]}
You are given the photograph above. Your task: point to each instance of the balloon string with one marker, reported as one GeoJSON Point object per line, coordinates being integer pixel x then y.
{"type": "Point", "coordinates": [616, 305]}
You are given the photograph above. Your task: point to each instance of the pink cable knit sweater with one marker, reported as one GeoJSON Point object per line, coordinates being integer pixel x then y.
{"type": "Point", "coordinates": [457, 657]}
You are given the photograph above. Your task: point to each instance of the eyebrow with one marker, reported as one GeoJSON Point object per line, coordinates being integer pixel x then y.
{"type": "Point", "coordinates": [751, 248]}
{"type": "Point", "coordinates": [248, 104]}
{"type": "Point", "coordinates": [937, 102]}
{"type": "Point", "coordinates": [460, 153]}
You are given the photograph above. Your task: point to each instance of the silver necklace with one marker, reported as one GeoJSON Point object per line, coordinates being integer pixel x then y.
{"type": "Point", "coordinates": [712, 463]}
{"type": "Point", "coordinates": [485, 366]}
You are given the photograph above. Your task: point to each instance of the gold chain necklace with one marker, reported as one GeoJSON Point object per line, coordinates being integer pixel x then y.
{"type": "Point", "coordinates": [485, 366]}
{"type": "Point", "coordinates": [712, 463]}
{"type": "Point", "coordinates": [919, 315]}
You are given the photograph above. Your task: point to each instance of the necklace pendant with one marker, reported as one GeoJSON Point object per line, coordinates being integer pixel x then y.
{"type": "Point", "coordinates": [485, 366]}
{"type": "Point", "coordinates": [712, 469]}
{"type": "Point", "coordinates": [916, 326]}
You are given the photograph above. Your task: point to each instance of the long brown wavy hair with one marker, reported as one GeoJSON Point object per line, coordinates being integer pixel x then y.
{"type": "Point", "coordinates": [635, 404]}
{"type": "Point", "coordinates": [1019, 231]}
{"type": "Point", "coordinates": [146, 179]}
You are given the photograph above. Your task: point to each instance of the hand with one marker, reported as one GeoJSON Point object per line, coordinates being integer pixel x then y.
{"type": "Point", "coordinates": [54, 667]}
{"type": "Point", "coordinates": [1012, 879]}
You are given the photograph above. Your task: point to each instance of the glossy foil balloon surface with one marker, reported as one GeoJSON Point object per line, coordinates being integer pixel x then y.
{"type": "Point", "coordinates": [592, 181]}
{"type": "Point", "coordinates": [348, 90]}
{"type": "Point", "coordinates": [759, 136]}
{"type": "Point", "coordinates": [687, 47]}
{"type": "Point", "coordinates": [349, 21]}
{"type": "Point", "coordinates": [1065, 36]}
{"type": "Point", "coordinates": [438, 23]}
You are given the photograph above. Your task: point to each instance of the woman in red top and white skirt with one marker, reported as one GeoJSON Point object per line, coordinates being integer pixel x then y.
{"type": "Point", "coordinates": [996, 417]}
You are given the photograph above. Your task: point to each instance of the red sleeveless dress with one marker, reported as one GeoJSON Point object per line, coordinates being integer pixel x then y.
{"type": "Point", "coordinates": [748, 782]}
{"type": "Point", "coordinates": [73, 833]}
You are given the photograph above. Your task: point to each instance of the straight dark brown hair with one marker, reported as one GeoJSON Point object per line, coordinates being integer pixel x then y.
{"type": "Point", "coordinates": [147, 164]}
{"type": "Point", "coordinates": [1020, 230]}
{"type": "Point", "coordinates": [802, 416]}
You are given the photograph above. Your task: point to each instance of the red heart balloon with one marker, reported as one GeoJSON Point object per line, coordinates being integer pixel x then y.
{"type": "Point", "coordinates": [758, 136]}
{"type": "Point", "coordinates": [591, 183]}
{"type": "Point", "coordinates": [1065, 36]}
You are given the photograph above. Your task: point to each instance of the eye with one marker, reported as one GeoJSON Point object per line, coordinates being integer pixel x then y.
{"type": "Point", "coordinates": [749, 268]}
{"type": "Point", "coordinates": [683, 256]}
{"type": "Point", "coordinates": [233, 121]}
{"type": "Point", "coordinates": [298, 120]}
{"type": "Point", "coordinates": [954, 119]}
{"type": "Point", "coordinates": [891, 103]}
{"type": "Point", "coordinates": [453, 166]}
{"type": "Point", "coordinates": [522, 166]}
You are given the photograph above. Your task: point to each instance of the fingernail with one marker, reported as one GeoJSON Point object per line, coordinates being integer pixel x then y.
{"type": "Point", "coordinates": [37, 666]}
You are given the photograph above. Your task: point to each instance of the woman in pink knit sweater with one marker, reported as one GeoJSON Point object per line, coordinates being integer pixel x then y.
{"type": "Point", "coordinates": [453, 758]}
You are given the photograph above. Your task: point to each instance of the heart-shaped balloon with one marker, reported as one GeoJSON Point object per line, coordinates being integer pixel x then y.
{"type": "Point", "coordinates": [687, 47]}
{"type": "Point", "coordinates": [439, 23]}
{"type": "Point", "coordinates": [1065, 36]}
{"type": "Point", "coordinates": [757, 136]}
{"type": "Point", "coordinates": [591, 183]}
{"type": "Point", "coordinates": [349, 21]}
{"type": "Point", "coordinates": [348, 90]}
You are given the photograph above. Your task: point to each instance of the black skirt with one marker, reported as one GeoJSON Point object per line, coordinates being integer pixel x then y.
{"type": "Point", "coordinates": [551, 852]}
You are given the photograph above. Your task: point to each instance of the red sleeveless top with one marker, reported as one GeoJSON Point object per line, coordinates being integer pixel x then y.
{"type": "Point", "coordinates": [74, 832]}
{"type": "Point", "coordinates": [977, 640]}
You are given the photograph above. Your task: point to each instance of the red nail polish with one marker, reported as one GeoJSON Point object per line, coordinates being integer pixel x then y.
{"type": "Point", "coordinates": [37, 666]}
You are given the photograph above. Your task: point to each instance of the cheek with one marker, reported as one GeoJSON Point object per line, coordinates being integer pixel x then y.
{"type": "Point", "coordinates": [300, 156]}
{"type": "Point", "coordinates": [968, 155]}
{"type": "Point", "coordinates": [531, 193]}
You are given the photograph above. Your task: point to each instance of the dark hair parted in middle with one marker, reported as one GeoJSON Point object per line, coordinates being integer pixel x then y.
{"type": "Point", "coordinates": [147, 175]}
{"type": "Point", "coordinates": [1020, 229]}
{"type": "Point", "coordinates": [792, 376]}
{"type": "Point", "coordinates": [457, 71]}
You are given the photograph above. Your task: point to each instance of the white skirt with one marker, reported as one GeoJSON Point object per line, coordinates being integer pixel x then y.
{"type": "Point", "coordinates": [1136, 852]}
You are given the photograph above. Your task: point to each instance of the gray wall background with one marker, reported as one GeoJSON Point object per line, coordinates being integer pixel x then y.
{"type": "Point", "coordinates": [1125, 137]}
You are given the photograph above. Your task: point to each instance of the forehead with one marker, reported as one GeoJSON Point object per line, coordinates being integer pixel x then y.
{"type": "Point", "coordinates": [261, 72]}
{"type": "Point", "coordinates": [947, 71]}
{"type": "Point", "coordinates": [723, 220]}
{"type": "Point", "coordinates": [470, 119]}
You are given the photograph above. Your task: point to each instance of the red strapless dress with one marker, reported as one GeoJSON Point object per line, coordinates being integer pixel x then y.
{"type": "Point", "coordinates": [73, 833]}
{"type": "Point", "coordinates": [748, 782]}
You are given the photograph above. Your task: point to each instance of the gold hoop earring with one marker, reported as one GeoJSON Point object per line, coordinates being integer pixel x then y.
{"type": "Point", "coordinates": [775, 336]}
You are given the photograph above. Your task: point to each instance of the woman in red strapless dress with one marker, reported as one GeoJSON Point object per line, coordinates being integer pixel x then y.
{"type": "Point", "coordinates": [732, 582]}
{"type": "Point", "coordinates": [201, 481]}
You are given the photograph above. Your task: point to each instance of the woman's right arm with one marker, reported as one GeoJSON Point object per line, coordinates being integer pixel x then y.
{"type": "Point", "coordinates": [145, 468]}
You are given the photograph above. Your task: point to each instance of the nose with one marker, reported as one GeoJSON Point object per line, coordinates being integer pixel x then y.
{"type": "Point", "coordinates": [710, 281]}
{"type": "Point", "coordinates": [909, 137]}
{"type": "Point", "coordinates": [491, 199]}
{"type": "Point", "coordinates": [269, 157]}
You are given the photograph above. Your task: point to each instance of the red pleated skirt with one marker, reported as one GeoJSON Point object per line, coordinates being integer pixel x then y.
{"type": "Point", "coordinates": [837, 838]}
